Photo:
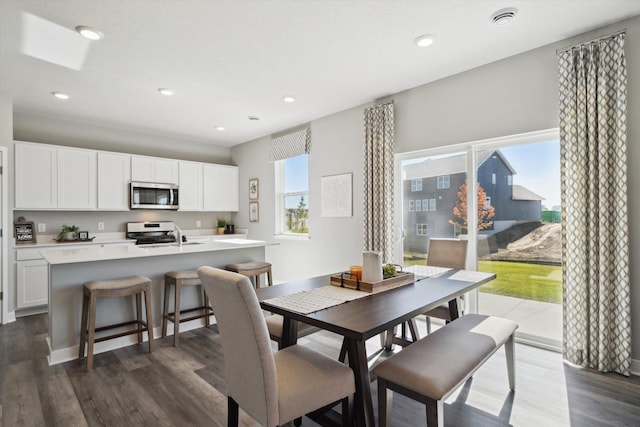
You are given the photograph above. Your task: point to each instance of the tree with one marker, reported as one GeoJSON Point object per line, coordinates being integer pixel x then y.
{"type": "Point", "coordinates": [485, 213]}
{"type": "Point", "coordinates": [301, 215]}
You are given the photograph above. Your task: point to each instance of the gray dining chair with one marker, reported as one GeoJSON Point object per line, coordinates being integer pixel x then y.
{"type": "Point", "coordinates": [273, 388]}
{"type": "Point", "coordinates": [449, 253]}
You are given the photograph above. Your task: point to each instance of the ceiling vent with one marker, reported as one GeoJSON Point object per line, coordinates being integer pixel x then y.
{"type": "Point", "coordinates": [504, 16]}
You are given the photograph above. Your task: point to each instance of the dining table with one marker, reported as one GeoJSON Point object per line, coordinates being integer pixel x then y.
{"type": "Point", "coordinates": [359, 319]}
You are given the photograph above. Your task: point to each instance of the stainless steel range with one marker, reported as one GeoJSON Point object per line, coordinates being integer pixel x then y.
{"type": "Point", "coordinates": [149, 233]}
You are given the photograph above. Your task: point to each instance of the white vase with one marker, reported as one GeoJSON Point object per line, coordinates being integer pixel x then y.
{"type": "Point", "coordinates": [371, 266]}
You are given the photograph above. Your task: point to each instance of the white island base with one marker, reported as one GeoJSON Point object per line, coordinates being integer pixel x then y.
{"type": "Point", "coordinates": [70, 269]}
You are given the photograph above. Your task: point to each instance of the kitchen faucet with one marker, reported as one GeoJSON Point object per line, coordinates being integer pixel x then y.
{"type": "Point", "coordinates": [176, 228]}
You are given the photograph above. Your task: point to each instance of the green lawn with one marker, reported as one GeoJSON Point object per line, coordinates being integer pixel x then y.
{"type": "Point", "coordinates": [520, 280]}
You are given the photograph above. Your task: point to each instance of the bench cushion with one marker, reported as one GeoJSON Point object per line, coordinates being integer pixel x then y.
{"type": "Point", "coordinates": [438, 363]}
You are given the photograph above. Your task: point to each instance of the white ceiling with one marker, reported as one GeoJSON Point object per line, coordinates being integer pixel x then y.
{"type": "Point", "coordinates": [227, 60]}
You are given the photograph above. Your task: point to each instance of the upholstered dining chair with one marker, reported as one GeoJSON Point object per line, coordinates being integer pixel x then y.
{"type": "Point", "coordinates": [449, 253]}
{"type": "Point", "coordinates": [274, 388]}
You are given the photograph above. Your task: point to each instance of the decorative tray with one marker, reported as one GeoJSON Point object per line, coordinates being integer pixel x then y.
{"type": "Point", "coordinates": [348, 280]}
{"type": "Point", "coordinates": [74, 240]}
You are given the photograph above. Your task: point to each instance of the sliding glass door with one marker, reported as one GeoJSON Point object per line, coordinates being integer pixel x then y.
{"type": "Point", "coordinates": [503, 195]}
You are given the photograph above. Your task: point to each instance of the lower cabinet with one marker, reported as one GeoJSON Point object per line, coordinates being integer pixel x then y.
{"type": "Point", "coordinates": [32, 283]}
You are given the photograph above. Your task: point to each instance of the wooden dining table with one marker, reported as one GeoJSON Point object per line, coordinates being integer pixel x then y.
{"type": "Point", "coordinates": [366, 317]}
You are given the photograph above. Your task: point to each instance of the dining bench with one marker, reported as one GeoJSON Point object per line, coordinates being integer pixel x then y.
{"type": "Point", "coordinates": [432, 368]}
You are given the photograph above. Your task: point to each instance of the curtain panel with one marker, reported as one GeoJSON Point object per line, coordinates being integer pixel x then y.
{"type": "Point", "coordinates": [596, 285]}
{"type": "Point", "coordinates": [378, 179]}
{"type": "Point", "coordinates": [292, 144]}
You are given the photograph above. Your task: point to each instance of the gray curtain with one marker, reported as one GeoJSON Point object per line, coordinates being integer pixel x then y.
{"type": "Point", "coordinates": [378, 180]}
{"type": "Point", "coordinates": [597, 293]}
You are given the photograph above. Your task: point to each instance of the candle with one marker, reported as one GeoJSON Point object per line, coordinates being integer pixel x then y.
{"type": "Point", "coordinates": [357, 270]}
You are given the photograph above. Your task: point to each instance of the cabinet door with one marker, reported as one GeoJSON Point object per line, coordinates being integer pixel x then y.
{"type": "Point", "coordinates": [36, 175]}
{"type": "Point", "coordinates": [32, 283]}
{"type": "Point", "coordinates": [190, 186]}
{"type": "Point", "coordinates": [77, 179]}
{"type": "Point", "coordinates": [220, 188]}
{"type": "Point", "coordinates": [166, 171]}
{"type": "Point", "coordinates": [114, 174]}
{"type": "Point", "coordinates": [143, 169]}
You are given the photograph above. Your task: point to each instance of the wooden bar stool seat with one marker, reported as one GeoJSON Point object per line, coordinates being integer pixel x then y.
{"type": "Point", "coordinates": [179, 279]}
{"type": "Point", "coordinates": [253, 270]}
{"type": "Point", "coordinates": [136, 285]}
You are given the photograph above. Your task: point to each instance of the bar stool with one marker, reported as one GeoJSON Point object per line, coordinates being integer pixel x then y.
{"type": "Point", "coordinates": [135, 285]}
{"type": "Point", "coordinates": [179, 279]}
{"type": "Point", "coordinates": [252, 270]}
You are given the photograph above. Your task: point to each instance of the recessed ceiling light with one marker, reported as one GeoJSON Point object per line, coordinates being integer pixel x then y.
{"type": "Point", "coordinates": [424, 40]}
{"type": "Point", "coordinates": [254, 118]}
{"type": "Point", "coordinates": [504, 16]}
{"type": "Point", "coordinates": [60, 95]}
{"type": "Point", "coordinates": [90, 33]}
{"type": "Point", "coordinates": [164, 91]}
{"type": "Point", "coordinates": [220, 128]}
{"type": "Point", "coordinates": [288, 98]}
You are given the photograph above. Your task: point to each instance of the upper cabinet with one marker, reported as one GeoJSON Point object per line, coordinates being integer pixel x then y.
{"type": "Point", "coordinates": [151, 169]}
{"type": "Point", "coordinates": [36, 176]}
{"type": "Point", "coordinates": [54, 177]}
{"type": "Point", "coordinates": [221, 188]}
{"type": "Point", "coordinates": [191, 181]}
{"type": "Point", "coordinates": [77, 178]}
{"type": "Point", "coordinates": [114, 175]}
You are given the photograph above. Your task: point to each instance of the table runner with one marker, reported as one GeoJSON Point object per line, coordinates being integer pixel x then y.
{"type": "Point", "coordinates": [317, 299]}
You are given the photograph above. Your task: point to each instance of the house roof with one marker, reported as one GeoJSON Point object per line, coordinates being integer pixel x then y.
{"type": "Point", "coordinates": [523, 193]}
{"type": "Point", "coordinates": [450, 165]}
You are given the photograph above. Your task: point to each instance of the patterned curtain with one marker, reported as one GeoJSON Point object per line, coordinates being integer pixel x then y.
{"type": "Point", "coordinates": [378, 180]}
{"type": "Point", "coordinates": [597, 293]}
{"type": "Point", "coordinates": [291, 144]}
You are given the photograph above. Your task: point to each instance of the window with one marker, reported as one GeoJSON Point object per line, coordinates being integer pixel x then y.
{"type": "Point", "coordinates": [411, 204]}
{"type": "Point", "coordinates": [432, 205]}
{"type": "Point", "coordinates": [421, 229]}
{"type": "Point", "coordinates": [418, 205]}
{"type": "Point", "coordinates": [443, 181]}
{"type": "Point", "coordinates": [493, 178]}
{"type": "Point", "coordinates": [487, 203]}
{"type": "Point", "coordinates": [509, 179]}
{"type": "Point", "coordinates": [425, 205]}
{"type": "Point", "coordinates": [292, 200]}
{"type": "Point", "coordinates": [416, 185]}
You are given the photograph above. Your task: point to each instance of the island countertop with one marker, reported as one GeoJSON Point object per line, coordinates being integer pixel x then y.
{"type": "Point", "coordinates": [126, 251]}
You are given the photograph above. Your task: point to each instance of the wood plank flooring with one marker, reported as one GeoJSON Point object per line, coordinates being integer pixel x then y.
{"type": "Point", "coordinates": [185, 387]}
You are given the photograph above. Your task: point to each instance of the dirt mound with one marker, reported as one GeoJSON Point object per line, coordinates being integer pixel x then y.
{"type": "Point", "coordinates": [543, 244]}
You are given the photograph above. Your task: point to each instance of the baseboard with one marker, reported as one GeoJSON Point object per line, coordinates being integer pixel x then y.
{"type": "Point", "coordinates": [71, 353]}
{"type": "Point", "coordinates": [635, 367]}
{"type": "Point", "coordinates": [10, 317]}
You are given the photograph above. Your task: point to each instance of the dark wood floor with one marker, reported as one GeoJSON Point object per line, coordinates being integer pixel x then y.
{"type": "Point", "coordinates": [185, 387]}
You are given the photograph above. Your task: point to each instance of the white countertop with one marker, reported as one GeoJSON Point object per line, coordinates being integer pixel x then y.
{"type": "Point", "coordinates": [94, 252]}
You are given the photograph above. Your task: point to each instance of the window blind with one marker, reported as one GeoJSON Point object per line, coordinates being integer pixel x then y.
{"type": "Point", "coordinates": [292, 144]}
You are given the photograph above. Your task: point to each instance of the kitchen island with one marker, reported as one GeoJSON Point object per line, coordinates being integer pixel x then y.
{"type": "Point", "coordinates": [70, 268]}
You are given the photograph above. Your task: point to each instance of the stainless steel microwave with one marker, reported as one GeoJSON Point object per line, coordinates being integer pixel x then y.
{"type": "Point", "coordinates": [150, 195]}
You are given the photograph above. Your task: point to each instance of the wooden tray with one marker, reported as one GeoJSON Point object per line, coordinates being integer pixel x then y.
{"type": "Point", "coordinates": [90, 239]}
{"type": "Point", "coordinates": [400, 279]}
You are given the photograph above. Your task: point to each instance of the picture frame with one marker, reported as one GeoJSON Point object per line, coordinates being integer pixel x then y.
{"type": "Point", "coordinates": [254, 212]}
{"type": "Point", "coordinates": [254, 189]}
{"type": "Point", "coordinates": [83, 235]}
{"type": "Point", "coordinates": [25, 232]}
{"type": "Point", "coordinates": [336, 196]}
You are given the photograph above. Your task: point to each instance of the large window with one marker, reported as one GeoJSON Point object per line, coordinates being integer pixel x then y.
{"type": "Point", "coordinates": [292, 195]}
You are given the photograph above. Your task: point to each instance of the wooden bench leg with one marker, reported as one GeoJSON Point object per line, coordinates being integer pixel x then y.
{"type": "Point", "coordinates": [232, 412]}
{"type": "Point", "coordinates": [147, 307]}
{"type": "Point", "coordinates": [509, 348]}
{"type": "Point", "coordinates": [83, 326]}
{"type": "Point", "coordinates": [385, 402]}
{"type": "Point", "coordinates": [139, 325]}
{"type": "Point", "coordinates": [435, 413]}
{"type": "Point", "coordinates": [165, 310]}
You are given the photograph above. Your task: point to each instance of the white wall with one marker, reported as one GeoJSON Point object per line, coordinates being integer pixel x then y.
{"type": "Point", "coordinates": [515, 95]}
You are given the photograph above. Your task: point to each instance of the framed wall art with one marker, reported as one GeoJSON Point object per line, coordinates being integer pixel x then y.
{"type": "Point", "coordinates": [336, 198]}
{"type": "Point", "coordinates": [254, 212]}
{"type": "Point", "coordinates": [24, 231]}
{"type": "Point", "coordinates": [254, 189]}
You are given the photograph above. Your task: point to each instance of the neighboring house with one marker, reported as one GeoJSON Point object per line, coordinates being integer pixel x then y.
{"type": "Point", "coordinates": [430, 192]}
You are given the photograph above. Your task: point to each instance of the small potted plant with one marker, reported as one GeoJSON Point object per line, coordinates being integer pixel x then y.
{"type": "Point", "coordinates": [222, 223]}
{"type": "Point", "coordinates": [68, 232]}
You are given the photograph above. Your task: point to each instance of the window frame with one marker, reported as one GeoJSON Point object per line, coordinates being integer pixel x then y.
{"type": "Point", "coordinates": [280, 197]}
{"type": "Point", "coordinates": [416, 187]}
{"type": "Point", "coordinates": [442, 183]}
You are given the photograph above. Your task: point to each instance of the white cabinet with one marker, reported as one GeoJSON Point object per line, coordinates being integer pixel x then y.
{"type": "Point", "coordinates": [36, 173]}
{"type": "Point", "coordinates": [77, 173]}
{"type": "Point", "coordinates": [114, 175]}
{"type": "Point", "coordinates": [220, 188]}
{"type": "Point", "coordinates": [32, 283]}
{"type": "Point", "coordinates": [191, 186]}
{"type": "Point", "coordinates": [151, 169]}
